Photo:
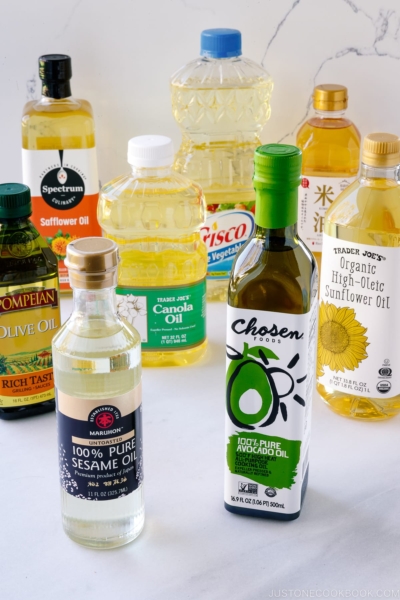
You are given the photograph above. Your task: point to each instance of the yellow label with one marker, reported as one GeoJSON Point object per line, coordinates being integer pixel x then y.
{"type": "Point", "coordinates": [29, 318]}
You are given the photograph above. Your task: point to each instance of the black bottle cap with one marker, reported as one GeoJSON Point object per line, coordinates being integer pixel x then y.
{"type": "Point", "coordinates": [15, 201]}
{"type": "Point", "coordinates": [55, 67]}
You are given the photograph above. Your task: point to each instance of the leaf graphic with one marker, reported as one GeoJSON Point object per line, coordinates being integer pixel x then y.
{"type": "Point", "coordinates": [255, 351]}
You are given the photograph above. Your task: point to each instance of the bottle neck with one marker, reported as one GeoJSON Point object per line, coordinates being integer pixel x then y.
{"type": "Point", "coordinates": [95, 303]}
{"type": "Point", "coordinates": [276, 208]}
{"type": "Point", "coordinates": [330, 114]}
{"type": "Point", "coordinates": [370, 172]}
{"type": "Point", "coordinates": [277, 238]}
{"type": "Point", "coordinates": [56, 89]}
{"type": "Point", "coordinates": [151, 171]}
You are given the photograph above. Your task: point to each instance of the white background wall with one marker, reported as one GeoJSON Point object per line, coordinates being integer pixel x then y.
{"type": "Point", "coordinates": [124, 51]}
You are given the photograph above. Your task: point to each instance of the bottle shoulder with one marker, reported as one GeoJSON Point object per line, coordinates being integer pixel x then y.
{"type": "Point", "coordinates": [138, 186]}
{"type": "Point", "coordinates": [240, 72]}
{"type": "Point", "coordinates": [52, 108]}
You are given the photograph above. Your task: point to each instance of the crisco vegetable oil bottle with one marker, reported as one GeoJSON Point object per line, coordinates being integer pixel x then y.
{"type": "Point", "coordinates": [331, 155]}
{"type": "Point", "coordinates": [272, 309]}
{"type": "Point", "coordinates": [358, 352]}
{"type": "Point", "coordinates": [155, 215]}
{"type": "Point", "coordinates": [221, 103]}
{"type": "Point", "coordinates": [59, 161]}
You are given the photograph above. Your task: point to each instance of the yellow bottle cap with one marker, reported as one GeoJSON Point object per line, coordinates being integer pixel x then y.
{"type": "Point", "coordinates": [330, 96]}
{"type": "Point", "coordinates": [381, 150]}
{"type": "Point", "coordinates": [92, 263]}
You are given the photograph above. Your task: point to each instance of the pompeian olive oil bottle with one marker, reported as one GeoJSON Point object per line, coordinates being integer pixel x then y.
{"type": "Point", "coordinates": [29, 309]}
{"type": "Point", "coordinates": [272, 308]}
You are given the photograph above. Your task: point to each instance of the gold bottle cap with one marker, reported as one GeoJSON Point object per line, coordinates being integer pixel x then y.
{"type": "Point", "coordinates": [92, 263]}
{"type": "Point", "coordinates": [330, 96]}
{"type": "Point", "coordinates": [381, 150]}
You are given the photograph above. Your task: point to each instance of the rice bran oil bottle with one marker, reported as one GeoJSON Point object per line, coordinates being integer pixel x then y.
{"type": "Point", "coordinates": [221, 102]}
{"type": "Point", "coordinates": [272, 309]}
{"type": "Point", "coordinates": [357, 360]}
{"type": "Point", "coordinates": [155, 215]}
{"type": "Point", "coordinates": [97, 373]}
{"type": "Point", "coordinates": [59, 161]}
{"type": "Point", "coordinates": [29, 309]}
{"type": "Point", "coordinates": [331, 155]}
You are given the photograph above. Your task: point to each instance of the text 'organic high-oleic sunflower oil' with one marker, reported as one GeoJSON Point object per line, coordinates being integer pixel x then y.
{"type": "Point", "coordinates": [154, 214]}
{"type": "Point", "coordinates": [359, 326]}
{"type": "Point", "coordinates": [221, 102]}
{"type": "Point", "coordinates": [331, 157]}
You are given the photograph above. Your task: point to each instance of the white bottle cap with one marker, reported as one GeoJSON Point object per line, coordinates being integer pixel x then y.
{"type": "Point", "coordinates": [150, 151]}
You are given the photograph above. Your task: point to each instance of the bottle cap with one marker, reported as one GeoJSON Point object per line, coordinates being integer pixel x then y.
{"type": "Point", "coordinates": [330, 96]}
{"type": "Point", "coordinates": [381, 150]}
{"type": "Point", "coordinates": [277, 176]}
{"type": "Point", "coordinates": [55, 67]}
{"type": "Point", "coordinates": [15, 201]}
{"type": "Point", "coordinates": [220, 43]}
{"type": "Point", "coordinates": [92, 263]}
{"type": "Point", "coordinates": [150, 151]}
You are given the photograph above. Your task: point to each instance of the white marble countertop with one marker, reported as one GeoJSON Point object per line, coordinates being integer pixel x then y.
{"type": "Point", "coordinates": [345, 543]}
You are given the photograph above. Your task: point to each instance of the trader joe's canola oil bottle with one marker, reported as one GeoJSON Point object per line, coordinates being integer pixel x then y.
{"type": "Point", "coordinates": [221, 102]}
{"type": "Point", "coordinates": [59, 161]}
{"type": "Point", "coordinates": [272, 309]}
{"type": "Point", "coordinates": [155, 214]}
{"type": "Point", "coordinates": [330, 143]}
{"type": "Point", "coordinates": [359, 324]}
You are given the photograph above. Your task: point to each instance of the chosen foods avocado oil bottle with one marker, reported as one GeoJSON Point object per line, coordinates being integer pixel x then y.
{"type": "Point", "coordinates": [330, 143]}
{"type": "Point", "coordinates": [59, 161]}
{"type": "Point", "coordinates": [272, 308]}
{"type": "Point", "coordinates": [358, 337]}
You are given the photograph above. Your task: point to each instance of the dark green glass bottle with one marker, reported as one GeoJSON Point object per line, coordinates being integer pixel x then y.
{"type": "Point", "coordinates": [29, 309]}
{"type": "Point", "coordinates": [272, 308]}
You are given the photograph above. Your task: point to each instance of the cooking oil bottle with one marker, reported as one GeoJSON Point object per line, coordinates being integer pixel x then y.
{"type": "Point", "coordinates": [59, 161]}
{"type": "Point", "coordinates": [331, 154]}
{"type": "Point", "coordinates": [97, 374]}
{"type": "Point", "coordinates": [155, 215]}
{"type": "Point", "coordinates": [221, 102]}
{"type": "Point", "coordinates": [359, 326]}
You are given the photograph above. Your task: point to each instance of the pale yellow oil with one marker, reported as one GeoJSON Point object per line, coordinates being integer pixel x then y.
{"type": "Point", "coordinates": [365, 214]}
{"type": "Point", "coordinates": [220, 132]}
{"type": "Point", "coordinates": [155, 217]}
{"type": "Point", "coordinates": [331, 148]}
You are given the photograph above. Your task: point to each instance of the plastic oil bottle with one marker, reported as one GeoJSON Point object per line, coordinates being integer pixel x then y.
{"type": "Point", "coordinates": [359, 326]}
{"type": "Point", "coordinates": [59, 161]}
{"type": "Point", "coordinates": [221, 102]}
{"type": "Point", "coordinates": [155, 215]}
{"type": "Point", "coordinates": [330, 143]}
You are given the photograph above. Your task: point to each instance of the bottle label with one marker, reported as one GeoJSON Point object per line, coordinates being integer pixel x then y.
{"type": "Point", "coordinates": [316, 194]}
{"type": "Point", "coordinates": [100, 445]}
{"type": "Point", "coordinates": [269, 387]}
{"type": "Point", "coordinates": [65, 189]}
{"type": "Point", "coordinates": [224, 233]}
{"type": "Point", "coordinates": [29, 318]}
{"type": "Point", "coordinates": [358, 331]}
{"type": "Point", "coordinates": [166, 318]}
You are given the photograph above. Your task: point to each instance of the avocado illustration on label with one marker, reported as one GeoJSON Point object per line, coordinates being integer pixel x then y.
{"type": "Point", "coordinates": [250, 370]}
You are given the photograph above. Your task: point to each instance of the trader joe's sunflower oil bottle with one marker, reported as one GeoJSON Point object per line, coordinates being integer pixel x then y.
{"type": "Point", "coordinates": [272, 309]}
{"type": "Point", "coordinates": [59, 161]}
{"type": "Point", "coordinates": [29, 309]}
{"type": "Point", "coordinates": [155, 215]}
{"type": "Point", "coordinates": [99, 406]}
{"type": "Point", "coordinates": [359, 324]}
{"type": "Point", "coordinates": [331, 154]}
{"type": "Point", "coordinates": [221, 102]}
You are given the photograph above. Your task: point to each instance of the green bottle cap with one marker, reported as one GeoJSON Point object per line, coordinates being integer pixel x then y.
{"type": "Point", "coordinates": [15, 201]}
{"type": "Point", "coordinates": [277, 176]}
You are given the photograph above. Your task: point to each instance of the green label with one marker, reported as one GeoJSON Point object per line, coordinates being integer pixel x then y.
{"type": "Point", "coordinates": [269, 460]}
{"type": "Point", "coordinates": [166, 318]}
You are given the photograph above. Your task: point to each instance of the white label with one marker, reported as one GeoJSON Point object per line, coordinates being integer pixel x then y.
{"type": "Point", "coordinates": [358, 350]}
{"type": "Point", "coordinates": [316, 194]}
{"type": "Point", "coordinates": [269, 387]}
{"type": "Point", "coordinates": [224, 233]}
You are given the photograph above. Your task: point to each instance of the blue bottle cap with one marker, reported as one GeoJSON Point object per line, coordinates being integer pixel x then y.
{"type": "Point", "coordinates": [221, 43]}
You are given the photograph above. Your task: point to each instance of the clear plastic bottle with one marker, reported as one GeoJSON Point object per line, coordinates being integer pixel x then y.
{"type": "Point", "coordinates": [358, 351]}
{"type": "Point", "coordinates": [330, 143]}
{"type": "Point", "coordinates": [154, 214]}
{"type": "Point", "coordinates": [97, 373]}
{"type": "Point", "coordinates": [221, 102]}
